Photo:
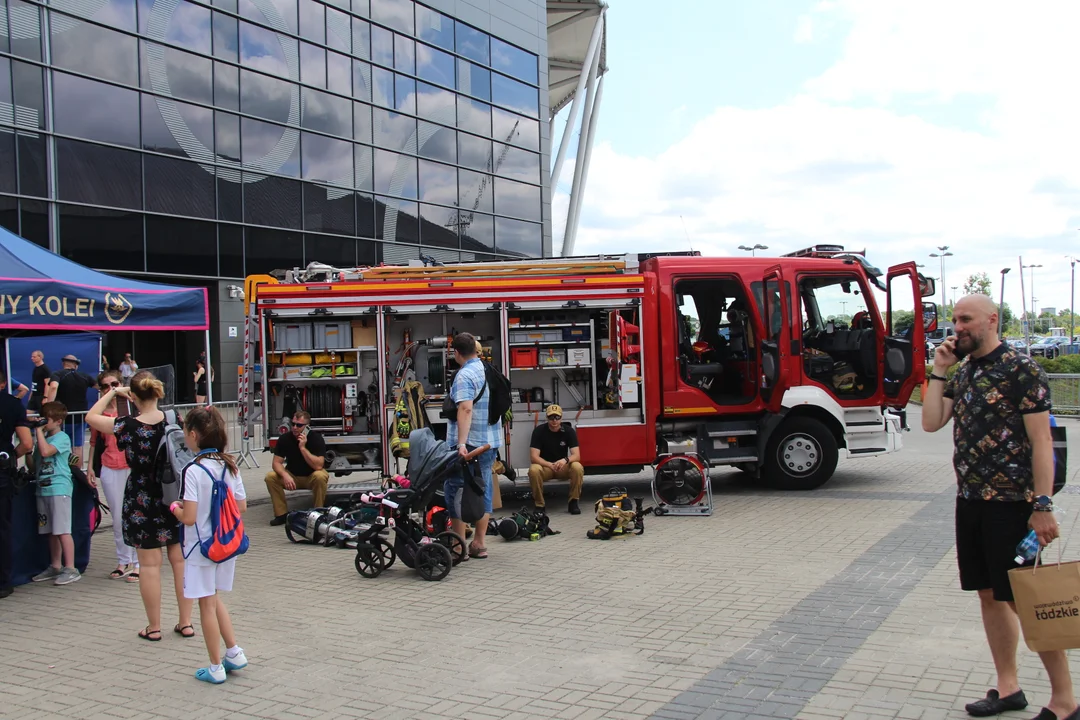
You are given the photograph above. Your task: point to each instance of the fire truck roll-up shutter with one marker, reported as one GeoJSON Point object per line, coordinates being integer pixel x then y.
{"type": "Point", "coordinates": [280, 311]}
{"type": "Point", "coordinates": [632, 301]}
{"type": "Point", "coordinates": [400, 308]}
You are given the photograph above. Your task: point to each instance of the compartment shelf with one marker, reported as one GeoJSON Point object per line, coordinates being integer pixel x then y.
{"type": "Point", "coordinates": [551, 342]}
{"type": "Point", "coordinates": [548, 325]}
{"type": "Point", "coordinates": [290, 351]}
{"type": "Point", "coordinates": [352, 439]}
{"type": "Point", "coordinates": [552, 367]}
{"type": "Point", "coordinates": [313, 380]}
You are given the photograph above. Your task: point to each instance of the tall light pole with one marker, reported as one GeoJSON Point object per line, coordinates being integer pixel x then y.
{"type": "Point", "coordinates": [1034, 312]}
{"type": "Point", "coordinates": [1072, 298]}
{"type": "Point", "coordinates": [954, 294]}
{"type": "Point", "coordinates": [944, 253]}
{"type": "Point", "coordinates": [753, 250]}
{"type": "Point", "coordinates": [1001, 305]}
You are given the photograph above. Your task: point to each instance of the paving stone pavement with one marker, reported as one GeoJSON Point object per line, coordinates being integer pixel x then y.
{"type": "Point", "coordinates": [837, 603]}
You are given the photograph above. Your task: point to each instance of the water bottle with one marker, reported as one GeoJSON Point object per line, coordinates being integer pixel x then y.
{"type": "Point", "coordinates": [1027, 549]}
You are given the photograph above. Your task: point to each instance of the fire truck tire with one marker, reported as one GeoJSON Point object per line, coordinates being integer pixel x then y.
{"type": "Point", "coordinates": [801, 455]}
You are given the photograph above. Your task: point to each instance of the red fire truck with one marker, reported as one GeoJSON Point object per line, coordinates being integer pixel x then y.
{"type": "Point", "coordinates": [771, 365]}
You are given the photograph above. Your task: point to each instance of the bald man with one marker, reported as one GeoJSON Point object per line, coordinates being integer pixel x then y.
{"type": "Point", "coordinates": [999, 401]}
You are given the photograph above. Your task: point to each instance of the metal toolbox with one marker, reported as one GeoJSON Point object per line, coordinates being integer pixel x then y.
{"type": "Point", "coordinates": [578, 356]}
{"type": "Point", "coordinates": [292, 336]}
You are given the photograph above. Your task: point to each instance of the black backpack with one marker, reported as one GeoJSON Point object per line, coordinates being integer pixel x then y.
{"type": "Point", "coordinates": [499, 394]}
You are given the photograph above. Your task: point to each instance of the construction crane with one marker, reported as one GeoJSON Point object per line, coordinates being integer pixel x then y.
{"type": "Point", "coordinates": [461, 221]}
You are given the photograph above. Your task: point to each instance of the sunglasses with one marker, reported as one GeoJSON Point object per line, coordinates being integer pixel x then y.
{"type": "Point", "coordinates": [299, 425]}
{"type": "Point", "coordinates": [554, 417]}
{"type": "Point", "coordinates": [109, 385]}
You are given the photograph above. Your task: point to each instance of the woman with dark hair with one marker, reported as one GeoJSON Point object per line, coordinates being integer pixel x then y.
{"type": "Point", "coordinates": [202, 376]}
{"type": "Point", "coordinates": [148, 524]}
{"type": "Point", "coordinates": [110, 464]}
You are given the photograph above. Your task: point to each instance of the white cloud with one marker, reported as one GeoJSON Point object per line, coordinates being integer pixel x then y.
{"type": "Point", "coordinates": [881, 150]}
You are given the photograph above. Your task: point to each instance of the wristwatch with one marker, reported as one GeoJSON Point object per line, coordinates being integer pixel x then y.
{"type": "Point", "coordinates": [932, 376]}
{"type": "Point", "coordinates": [1043, 503]}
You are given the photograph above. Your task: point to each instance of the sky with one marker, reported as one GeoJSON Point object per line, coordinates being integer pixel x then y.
{"type": "Point", "coordinates": [894, 127]}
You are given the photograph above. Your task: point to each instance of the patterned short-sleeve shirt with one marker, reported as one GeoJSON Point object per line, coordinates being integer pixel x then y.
{"type": "Point", "coordinates": [991, 395]}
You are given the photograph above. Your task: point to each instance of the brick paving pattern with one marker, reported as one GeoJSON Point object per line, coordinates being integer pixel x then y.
{"type": "Point", "coordinates": [837, 603]}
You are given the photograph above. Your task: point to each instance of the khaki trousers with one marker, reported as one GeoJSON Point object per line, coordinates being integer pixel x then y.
{"type": "Point", "coordinates": [538, 475]}
{"type": "Point", "coordinates": [315, 482]}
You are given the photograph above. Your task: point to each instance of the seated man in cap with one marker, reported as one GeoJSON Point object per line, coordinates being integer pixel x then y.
{"type": "Point", "coordinates": [69, 387]}
{"type": "Point", "coordinates": [554, 455]}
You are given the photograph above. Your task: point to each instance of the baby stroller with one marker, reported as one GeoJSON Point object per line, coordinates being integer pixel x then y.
{"type": "Point", "coordinates": [403, 509]}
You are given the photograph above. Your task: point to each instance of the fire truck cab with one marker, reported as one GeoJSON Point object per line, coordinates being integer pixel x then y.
{"type": "Point", "coordinates": [772, 365]}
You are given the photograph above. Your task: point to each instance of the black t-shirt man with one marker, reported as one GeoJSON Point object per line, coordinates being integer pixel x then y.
{"type": "Point", "coordinates": [71, 389]}
{"type": "Point", "coordinates": [287, 447]}
{"type": "Point", "coordinates": [12, 415]}
{"type": "Point", "coordinates": [554, 446]}
{"type": "Point", "coordinates": [39, 381]}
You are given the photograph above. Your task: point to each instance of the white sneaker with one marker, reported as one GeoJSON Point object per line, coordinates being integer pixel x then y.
{"type": "Point", "coordinates": [68, 576]}
{"type": "Point", "coordinates": [239, 662]}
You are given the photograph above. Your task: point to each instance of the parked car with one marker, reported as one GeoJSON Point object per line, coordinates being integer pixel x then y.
{"type": "Point", "coordinates": [930, 348]}
{"type": "Point", "coordinates": [1049, 347]}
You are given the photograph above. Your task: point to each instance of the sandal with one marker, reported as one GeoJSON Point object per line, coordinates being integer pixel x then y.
{"type": "Point", "coordinates": [133, 577]}
{"type": "Point", "coordinates": [478, 553]}
{"type": "Point", "coordinates": [118, 573]}
{"type": "Point", "coordinates": [180, 631]}
{"type": "Point", "coordinates": [148, 634]}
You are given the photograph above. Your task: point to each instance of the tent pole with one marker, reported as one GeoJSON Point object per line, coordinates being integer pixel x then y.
{"type": "Point", "coordinates": [209, 364]}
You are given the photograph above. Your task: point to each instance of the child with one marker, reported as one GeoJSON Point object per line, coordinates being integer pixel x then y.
{"type": "Point", "coordinates": [204, 432]}
{"type": "Point", "coordinates": [54, 489]}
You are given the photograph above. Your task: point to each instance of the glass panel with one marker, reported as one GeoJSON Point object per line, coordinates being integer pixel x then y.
{"type": "Point", "coordinates": [360, 7]}
{"type": "Point", "coordinates": [338, 30]}
{"type": "Point", "coordinates": [436, 142]}
{"type": "Point", "coordinates": [189, 27]}
{"type": "Point", "coordinates": [361, 39]}
{"type": "Point", "coordinates": [119, 14]}
{"type": "Point", "coordinates": [405, 94]}
{"type": "Point", "coordinates": [479, 234]}
{"type": "Point", "coordinates": [474, 152]}
{"type": "Point", "coordinates": [361, 77]}
{"type": "Point", "coordinates": [362, 156]}
{"type": "Point", "coordinates": [382, 46]}
{"type": "Point", "coordinates": [326, 159]}
{"type": "Point", "coordinates": [393, 131]}
{"type": "Point", "coordinates": [101, 238]}
{"type": "Point", "coordinates": [7, 109]}
{"type": "Point", "coordinates": [434, 27]}
{"type": "Point", "coordinates": [312, 21]}
{"type": "Point", "coordinates": [339, 252]}
{"type": "Point", "coordinates": [226, 37]}
{"type": "Point", "coordinates": [517, 163]}
{"type": "Point", "coordinates": [267, 250]}
{"type": "Point", "coordinates": [365, 218]}
{"type": "Point", "coordinates": [407, 228]}
{"type": "Point", "coordinates": [267, 97]}
{"type": "Point", "coordinates": [329, 209]}
{"type": "Point", "coordinates": [434, 103]}
{"type": "Point", "coordinates": [513, 61]}
{"type": "Point", "coordinates": [227, 136]}
{"type": "Point", "coordinates": [95, 111]}
{"type": "Point", "coordinates": [339, 73]}
{"type": "Point", "coordinates": [34, 216]}
{"type": "Point", "coordinates": [169, 71]}
{"type": "Point", "coordinates": [267, 50]}
{"type": "Point", "coordinates": [518, 238]}
{"type": "Point", "coordinates": [272, 201]}
{"type": "Point", "coordinates": [32, 164]}
{"type": "Point", "coordinates": [226, 86]}
{"type": "Point", "coordinates": [472, 43]}
{"type": "Point", "coordinates": [397, 14]}
{"type": "Point", "coordinates": [181, 247]}
{"type": "Point", "coordinates": [80, 49]}
{"type": "Point", "coordinates": [229, 5]}
{"type": "Point", "coordinates": [395, 174]}
{"type": "Point", "coordinates": [517, 199]}
{"type": "Point", "coordinates": [97, 174]}
{"type": "Point", "coordinates": [475, 193]}
{"type": "Point", "coordinates": [438, 183]}
{"type": "Point", "coordinates": [515, 129]}
{"type": "Point", "coordinates": [515, 95]}
{"type": "Point", "coordinates": [404, 54]}
{"type": "Point", "coordinates": [230, 196]}
{"type": "Point", "coordinates": [5, 47]}
{"type": "Point", "coordinates": [262, 146]}
{"type": "Point", "coordinates": [474, 116]}
{"type": "Point", "coordinates": [231, 251]}
{"type": "Point", "coordinates": [178, 187]}
{"type": "Point", "coordinates": [279, 14]}
{"type": "Point", "coordinates": [8, 182]}
{"type": "Point", "coordinates": [28, 87]}
{"type": "Point", "coordinates": [474, 80]}
{"type": "Point", "coordinates": [27, 43]}
{"type": "Point", "coordinates": [159, 136]}
{"type": "Point", "coordinates": [435, 65]}
{"type": "Point", "coordinates": [327, 113]}
{"type": "Point", "coordinates": [312, 65]}
{"type": "Point", "coordinates": [362, 122]}
{"type": "Point", "coordinates": [438, 226]}
{"type": "Point", "coordinates": [382, 87]}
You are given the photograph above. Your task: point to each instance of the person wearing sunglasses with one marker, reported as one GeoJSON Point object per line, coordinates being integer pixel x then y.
{"type": "Point", "coordinates": [110, 465]}
{"type": "Point", "coordinates": [299, 459]}
{"type": "Point", "coordinates": [554, 455]}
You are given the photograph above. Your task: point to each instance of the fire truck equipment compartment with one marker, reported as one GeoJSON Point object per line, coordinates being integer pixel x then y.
{"type": "Point", "coordinates": [292, 336]}
{"type": "Point", "coordinates": [332, 335]}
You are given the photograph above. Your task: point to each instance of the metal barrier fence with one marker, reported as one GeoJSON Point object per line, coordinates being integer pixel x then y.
{"type": "Point", "coordinates": [1065, 392]}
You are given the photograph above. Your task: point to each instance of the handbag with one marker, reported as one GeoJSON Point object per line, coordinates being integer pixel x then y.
{"type": "Point", "coordinates": [473, 507]}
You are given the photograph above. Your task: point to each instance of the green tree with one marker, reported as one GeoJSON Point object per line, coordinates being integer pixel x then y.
{"type": "Point", "coordinates": [978, 284]}
{"type": "Point", "coordinates": [902, 320]}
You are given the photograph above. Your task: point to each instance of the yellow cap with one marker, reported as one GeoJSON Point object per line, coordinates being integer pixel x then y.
{"type": "Point", "coordinates": [554, 409]}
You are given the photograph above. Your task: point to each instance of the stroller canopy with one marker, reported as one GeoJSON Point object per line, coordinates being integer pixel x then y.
{"type": "Point", "coordinates": [430, 459]}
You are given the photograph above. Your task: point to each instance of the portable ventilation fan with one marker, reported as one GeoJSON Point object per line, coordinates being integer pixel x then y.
{"type": "Point", "coordinates": [681, 486]}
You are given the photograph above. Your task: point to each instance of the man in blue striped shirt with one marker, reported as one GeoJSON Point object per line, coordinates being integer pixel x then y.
{"type": "Point", "coordinates": [471, 430]}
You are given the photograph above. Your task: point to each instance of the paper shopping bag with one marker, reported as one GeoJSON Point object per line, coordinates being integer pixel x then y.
{"type": "Point", "coordinates": [1048, 602]}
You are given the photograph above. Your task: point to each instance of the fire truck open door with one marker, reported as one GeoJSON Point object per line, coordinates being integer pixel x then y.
{"type": "Point", "coordinates": [905, 345]}
{"type": "Point", "coordinates": [776, 338]}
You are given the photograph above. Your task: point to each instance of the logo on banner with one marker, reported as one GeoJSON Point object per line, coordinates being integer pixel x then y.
{"type": "Point", "coordinates": [117, 308]}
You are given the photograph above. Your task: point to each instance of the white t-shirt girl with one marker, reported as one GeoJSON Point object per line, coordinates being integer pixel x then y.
{"type": "Point", "coordinates": [202, 576]}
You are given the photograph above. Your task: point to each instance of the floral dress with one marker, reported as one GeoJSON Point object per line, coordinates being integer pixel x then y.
{"type": "Point", "coordinates": [147, 522]}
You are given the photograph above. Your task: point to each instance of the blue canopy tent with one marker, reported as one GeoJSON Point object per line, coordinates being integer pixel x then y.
{"type": "Point", "coordinates": [40, 290]}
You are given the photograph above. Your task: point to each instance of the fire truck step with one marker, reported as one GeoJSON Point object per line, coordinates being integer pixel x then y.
{"type": "Point", "coordinates": [731, 433]}
{"type": "Point", "coordinates": [864, 451]}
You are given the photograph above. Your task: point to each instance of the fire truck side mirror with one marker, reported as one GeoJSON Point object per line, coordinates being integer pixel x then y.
{"type": "Point", "coordinates": [929, 316]}
{"type": "Point", "coordinates": [927, 286]}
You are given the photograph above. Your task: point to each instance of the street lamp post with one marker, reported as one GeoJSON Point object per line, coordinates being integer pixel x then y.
{"type": "Point", "coordinates": [1034, 312]}
{"type": "Point", "coordinates": [753, 250]}
{"type": "Point", "coordinates": [1001, 305]}
{"type": "Point", "coordinates": [944, 253]}
{"type": "Point", "coordinates": [1072, 298]}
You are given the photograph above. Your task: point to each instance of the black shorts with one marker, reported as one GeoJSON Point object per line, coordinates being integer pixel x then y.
{"type": "Point", "coordinates": [987, 533]}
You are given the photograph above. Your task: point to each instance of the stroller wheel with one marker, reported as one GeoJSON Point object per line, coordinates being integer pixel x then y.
{"type": "Point", "coordinates": [453, 542]}
{"type": "Point", "coordinates": [384, 548]}
{"type": "Point", "coordinates": [369, 562]}
{"type": "Point", "coordinates": [433, 561]}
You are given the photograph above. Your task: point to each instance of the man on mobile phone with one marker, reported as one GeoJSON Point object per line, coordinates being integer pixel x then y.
{"type": "Point", "coordinates": [299, 458]}
{"type": "Point", "coordinates": [999, 401]}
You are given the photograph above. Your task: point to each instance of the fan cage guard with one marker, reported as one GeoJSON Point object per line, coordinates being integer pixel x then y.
{"type": "Point", "coordinates": [661, 468]}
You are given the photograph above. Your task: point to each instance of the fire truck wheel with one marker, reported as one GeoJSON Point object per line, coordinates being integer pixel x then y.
{"type": "Point", "coordinates": [801, 455]}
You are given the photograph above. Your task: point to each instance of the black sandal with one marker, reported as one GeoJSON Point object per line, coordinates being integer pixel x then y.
{"type": "Point", "coordinates": [117, 573]}
{"type": "Point", "coordinates": [180, 631]}
{"type": "Point", "coordinates": [147, 634]}
{"type": "Point", "coordinates": [994, 704]}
